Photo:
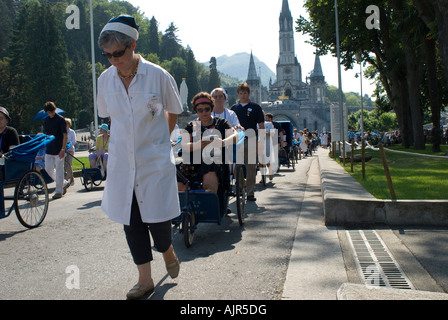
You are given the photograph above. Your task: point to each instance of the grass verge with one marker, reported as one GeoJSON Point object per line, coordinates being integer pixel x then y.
{"type": "Point", "coordinates": [414, 177]}
{"type": "Point", "coordinates": [78, 166]}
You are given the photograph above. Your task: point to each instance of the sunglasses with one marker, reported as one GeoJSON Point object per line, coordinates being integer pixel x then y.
{"type": "Point", "coordinates": [116, 54]}
{"type": "Point", "coordinates": [200, 110]}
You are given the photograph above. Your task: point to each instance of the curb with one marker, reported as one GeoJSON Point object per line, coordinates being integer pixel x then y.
{"type": "Point", "coordinates": [351, 291]}
{"type": "Point", "coordinates": [348, 204]}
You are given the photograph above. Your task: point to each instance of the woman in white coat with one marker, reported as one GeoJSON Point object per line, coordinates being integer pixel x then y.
{"type": "Point", "coordinates": [142, 101]}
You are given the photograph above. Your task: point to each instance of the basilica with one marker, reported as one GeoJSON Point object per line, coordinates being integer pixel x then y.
{"type": "Point", "coordinates": [289, 97]}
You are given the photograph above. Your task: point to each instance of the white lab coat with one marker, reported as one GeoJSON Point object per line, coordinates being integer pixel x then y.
{"type": "Point", "coordinates": [140, 158]}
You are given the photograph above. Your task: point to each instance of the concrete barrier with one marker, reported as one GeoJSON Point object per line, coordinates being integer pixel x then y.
{"type": "Point", "coordinates": [347, 203]}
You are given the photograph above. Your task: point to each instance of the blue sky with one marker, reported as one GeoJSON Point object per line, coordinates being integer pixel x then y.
{"type": "Point", "coordinates": [216, 28]}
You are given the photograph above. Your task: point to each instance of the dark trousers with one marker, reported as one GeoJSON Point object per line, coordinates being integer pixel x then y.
{"type": "Point", "coordinates": [137, 236]}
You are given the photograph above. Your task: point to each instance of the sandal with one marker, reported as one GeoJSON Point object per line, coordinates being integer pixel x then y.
{"type": "Point", "coordinates": [173, 267]}
{"type": "Point", "coordinates": [138, 291]}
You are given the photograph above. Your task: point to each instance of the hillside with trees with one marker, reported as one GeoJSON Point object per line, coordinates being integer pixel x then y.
{"type": "Point", "coordinates": [41, 59]}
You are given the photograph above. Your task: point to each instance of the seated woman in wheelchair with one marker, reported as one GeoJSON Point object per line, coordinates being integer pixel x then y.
{"type": "Point", "coordinates": [208, 137]}
{"type": "Point", "coordinates": [101, 148]}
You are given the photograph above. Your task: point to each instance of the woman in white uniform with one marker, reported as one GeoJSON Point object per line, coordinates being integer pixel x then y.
{"type": "Point", "coordinates": [142, 101]}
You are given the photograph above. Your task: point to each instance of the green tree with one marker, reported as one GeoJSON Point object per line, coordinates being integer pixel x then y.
{"type": "Point", "coordinates": [170, 46]}
{"type": "Point", "coordinates": [81, 74]}
{"type": "Point", "coordinates": [192, 75]}
{"type": "Point", "coordinates": [435, 15]}
{"type": "Point", "coordinates": [177, 68]}
{"type": "Point", "coordinates": [154, 41]}
{"type": "Point", "coordinates": [395, 51]}
{"type": "Point", "coordinates": [214, 80]}
{"type": "Point", "coordinates": [41, 59]}
{"type": "Point", "coordinates": [387, 122]}
{"type": "Point", "coordinates": [42, 64]}
{"type": "Point", "coordinates": [6, 23]}
{"type": "Point", "coordinates": [353, 99]}
{"type": "Point", "coordinates": [373, 121]}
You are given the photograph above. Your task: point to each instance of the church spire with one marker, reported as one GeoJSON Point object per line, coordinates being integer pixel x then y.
{"type": "Point", "coordinates": [252, 75]}
{"type": "Point", "coordinates": [285, 17]}
{"type": "Point", "coordinates": [285, 7]}
{"type": "Point", "coordinates": [254, 81]}
{"type": "Point", "coordinates": [317, 71]}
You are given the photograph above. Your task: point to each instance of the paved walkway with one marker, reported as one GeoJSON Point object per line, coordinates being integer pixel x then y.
{"type": "Point", "coordinates": [322, 264]}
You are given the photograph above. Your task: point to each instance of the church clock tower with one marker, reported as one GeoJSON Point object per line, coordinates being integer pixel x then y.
{"type": "Point", "coordinates": [288, 85]}
{"type": "Point", "coordinates": [288, 68]}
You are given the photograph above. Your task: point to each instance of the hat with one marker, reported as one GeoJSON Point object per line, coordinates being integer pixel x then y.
{"type": "Point", "coordinates": [220, 89]}
{"type": "Point", "coordinates": [104, 127]}
{"type": "Point", "coordinates": [5, 112]}
{"type": "Point", "coordinates": [124, 24]}
{"type": "Point", "coordinates": [202, 101]}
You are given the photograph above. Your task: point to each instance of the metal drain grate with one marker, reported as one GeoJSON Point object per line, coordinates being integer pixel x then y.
{"type": "Point", "coordinates": [375, 264]}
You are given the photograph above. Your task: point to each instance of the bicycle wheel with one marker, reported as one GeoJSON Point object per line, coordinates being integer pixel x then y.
{"type": "Point", "coordinates": [188, 224]}
{"type": "Point", "coordinates": [31, 199]}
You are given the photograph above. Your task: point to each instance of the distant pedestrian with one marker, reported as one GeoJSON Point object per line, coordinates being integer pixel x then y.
{"type": "Point", "coordinates": [56, 126]}
{"type": "Point", "coordinates": [71, 139]}
{"type": "Point", "coordinates": [324, 140]}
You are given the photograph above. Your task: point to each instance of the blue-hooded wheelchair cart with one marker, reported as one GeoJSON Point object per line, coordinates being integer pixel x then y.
{"type": "Point", "coordinates": [30, 199]}
{"type": "Point", "coordinates": [199, 206]}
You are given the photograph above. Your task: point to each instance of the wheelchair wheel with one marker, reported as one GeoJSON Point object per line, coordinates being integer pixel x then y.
{"type": "Point", "coordinates": [240, 190]}
{"type": "Point", "coordinates": [97, 183]}
{"type": "Point", "coordinates": [188, 224]}
{"type": "Point", "coordinates": [291, 160]}
{"type": "Point", "coordinates": [87, 182]}
{"type": "Point", "coordinates": [31, 199]}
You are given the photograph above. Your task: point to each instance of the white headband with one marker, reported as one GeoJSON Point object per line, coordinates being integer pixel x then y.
{"type": "Point", "coordinates": [220, 89]}
{"type": "Point", "coordinates": [123, 28]}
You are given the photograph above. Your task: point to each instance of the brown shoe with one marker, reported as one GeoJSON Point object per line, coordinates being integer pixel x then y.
{"type": "Point", "coordinates": [57, 196]}
{"type": "Point", "coordinates": [138, 291]}
{"type": "Point", "coordinates": [173, 267]}
{"type": "Point", "coordinates": [67, 185]}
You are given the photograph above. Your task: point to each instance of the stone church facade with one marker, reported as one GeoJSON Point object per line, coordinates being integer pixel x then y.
{"type": "Point", "coordinates": [289, 97]}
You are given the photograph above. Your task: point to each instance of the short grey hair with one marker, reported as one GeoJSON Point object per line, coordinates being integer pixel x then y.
{"type": "Point", "coordinates": [108, 38]}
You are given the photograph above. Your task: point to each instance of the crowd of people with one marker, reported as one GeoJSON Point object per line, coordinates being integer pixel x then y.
{"type": "Point", "coordinates": [141, 101]}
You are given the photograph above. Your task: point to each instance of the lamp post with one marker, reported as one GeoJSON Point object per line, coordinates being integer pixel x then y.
{"type": "Point", "coordinates": [341, 109]}
{"type": "Point", "coordinates": [92, 43]}
{"type": "Point", "coordinates": [363, 165]}
{"type": "Point", "coordinates": [359, 59]}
